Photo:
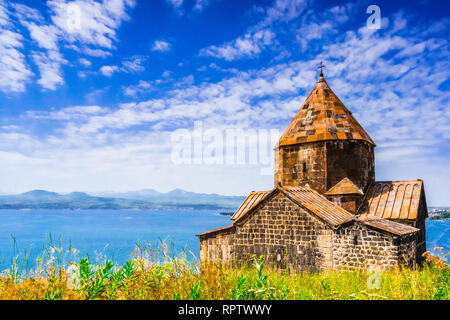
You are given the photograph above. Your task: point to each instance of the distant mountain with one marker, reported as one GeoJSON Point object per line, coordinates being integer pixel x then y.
{"type": "Point", "coordinates": [179, 197]}
{"type": "Point", "coordinates": [39, 194]}
{"type": "Point", "coordinates": [142, 199]}
{"type": "Point", "coordinates": [139, 194]}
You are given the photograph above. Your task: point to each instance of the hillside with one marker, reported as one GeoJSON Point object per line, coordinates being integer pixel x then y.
{"type": "Point", "coordinates": [145, 199]}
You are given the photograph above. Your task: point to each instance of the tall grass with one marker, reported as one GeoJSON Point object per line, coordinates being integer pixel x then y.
{"type": "Point", "coordinates": [156, 273]}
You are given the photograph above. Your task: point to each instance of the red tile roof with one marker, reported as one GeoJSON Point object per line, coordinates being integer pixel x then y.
{"type": "Point", "coordinates": [305, 197]}
{"type": "Point", "coordinates": [393, 200]}
{"type": "Point", "coordinates": [319, 205]}
{"type": "Point", "coordinates": [252, 200]}
{"type": "Point", "coordinates": [215, 230]}
{"type": "Point", "coordinates": [396, 228]}
{"type": "Point", "coordinates": [323, 117]}
{"type": "Point", "coordinates": [345, 186]}
{"type": "Point", "coordinates": [334, 215]}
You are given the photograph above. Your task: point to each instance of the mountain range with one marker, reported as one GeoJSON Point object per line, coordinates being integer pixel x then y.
{"type": "Point", "coordinates": [141, 199]}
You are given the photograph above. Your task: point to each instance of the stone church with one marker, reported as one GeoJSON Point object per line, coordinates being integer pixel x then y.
{"type": "Point", "coordinates": [326, 211]}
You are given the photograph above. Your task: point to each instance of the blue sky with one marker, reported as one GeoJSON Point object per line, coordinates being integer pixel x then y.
{"type": "Point", "coordinates": [92, 91]}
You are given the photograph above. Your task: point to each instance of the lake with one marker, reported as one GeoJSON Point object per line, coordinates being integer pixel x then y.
{"type": "Point", "coordinates": [115, 233]}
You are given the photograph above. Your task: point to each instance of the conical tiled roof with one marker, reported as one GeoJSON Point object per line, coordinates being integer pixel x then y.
{"type": "Point", "coordinates": [323, 117]}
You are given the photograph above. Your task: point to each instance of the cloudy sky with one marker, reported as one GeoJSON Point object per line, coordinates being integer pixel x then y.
{"type": "Point", "coordinates": [91, 92]}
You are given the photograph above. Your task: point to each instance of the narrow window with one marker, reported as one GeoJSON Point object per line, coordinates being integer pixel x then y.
{"type": "Point", "coordinates": [355, 240]}
{"type": "Point", "coordinates": [308, 115]}
{"type": "Point", "coordinates": [304, 167]}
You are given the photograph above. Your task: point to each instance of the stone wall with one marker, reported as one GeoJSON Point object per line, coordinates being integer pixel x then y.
{"type": "Point", "coordinates": [291, 237]}
{"type": "Point", "coordinates": [325, 163]}
{"type": "Point", "coordinates": [407, 250]}
{"type": "Point", "coordinates": [301, 164]}
{"type": "Point", "coordinates": [358, 246]}
{"type": "Point", "coordinates": [286, 234]}
{"type": "Point", "coordinates": [348, 202]}
{"type": "Point", "coordinates": [217, 246]}
{"type": "Point", "coordinates": [419, 238]}
{"type": "Point", "coordinates": [349, 159]}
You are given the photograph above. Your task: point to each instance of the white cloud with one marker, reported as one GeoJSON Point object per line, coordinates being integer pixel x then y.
{"type": "Point", "coordinates": [50, 69]}
{"type": "Point", "coordinates": [200, 5]}
{"type": "Point", "coordinates": [133, 64]}
{"type": "Point", "coordinates": [130, 65]}
{"type": "Point", "coordinates": [98, 53]}
{"type": "Point", "coordinates": [166, 74]}
{"type": "Point", "coordinates": [46, 36]}
{"type": "Point", "coordinates": [260, 36]}
{"type": "Point", "coordinates": [108, 71]}
{"type": "Point", "coordinates": [90, 22]}
{"type": "Point", "coordinates": [14, 72]}
{"type": "Point", "coordinates": [85, 26]}
{"type": "Point", "coordinates": [85, 62]}
{"type": "Point", "coordinates": [284, 10]}
{"type": "Point", "coordinates": [321, 25]}
{"type": "Point", "coordinates": [162, 46]}
{"type": "Point", "coordinates": [25, 13]}
{"type": "Point", "coordinates": [175, 3]}
{"type": "Point", "coordinates": [69, 113]}
{"type": "Point", "coordinates": [389, 80]}
{"type": "Point", "coordinates": [142, 86]}
{"type": "Point", "coordinates": [4, 14]}
{"type": "Point", "coordinates": [250, 45]}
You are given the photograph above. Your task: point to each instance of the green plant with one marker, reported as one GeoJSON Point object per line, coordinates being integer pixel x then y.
{"type": "Point", "coordinates": [176, 296]}
{"type": "Point", "coordinates": [284, 292]}
{"type": "Point", "coordinates": [240, 292]}
{"type": "Point", "coordinates": [157, 274]}
{"type": "Point", "coordinates": [94, 284]}
{"type": "Point", "coordinates": [261, 289]}
{"type": "Point", "coordinates": [53, 294]}
{"type": "Point", "coordinates": [195, 292]}
{"type": "Point", "coordinates": [441, 292]}
{"type": "Point", "coordinates": [325, 285]}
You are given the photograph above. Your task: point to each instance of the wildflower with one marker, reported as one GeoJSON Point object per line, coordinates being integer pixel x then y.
{"type": "Point", "coordinates": [147, 264]}
{"type": "Point", "coordinates": [73, 277]}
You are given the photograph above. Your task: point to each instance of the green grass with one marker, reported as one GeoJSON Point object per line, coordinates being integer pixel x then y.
{"type": "Point", "coordinates": [155, 274]}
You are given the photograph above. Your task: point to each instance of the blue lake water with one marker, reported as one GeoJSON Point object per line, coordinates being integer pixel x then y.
{"type": "Point", "coordinates": [115, 233]}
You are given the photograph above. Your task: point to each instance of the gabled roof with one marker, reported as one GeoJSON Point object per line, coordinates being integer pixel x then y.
{"type": "Point", "coordinates": [323, 117]}
{"type": "Point", "coordinates": [396, 228]}
{"type": "Point", "coordinates": [393, 200]}
{"type": "Point", "coordinates": [305, 197]}
{"type": "Point", "coordinates": [319, 205]}
{"type": "Point", "coordinates": [250, 202]}
{"type": "Point", "coordinates": [215, 231]}
{"type": "Point", "coordinates": [345, 186]}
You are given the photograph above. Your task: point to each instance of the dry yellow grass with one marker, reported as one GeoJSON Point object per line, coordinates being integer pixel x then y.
{"type": "Point", "coordinates": [144, 278]}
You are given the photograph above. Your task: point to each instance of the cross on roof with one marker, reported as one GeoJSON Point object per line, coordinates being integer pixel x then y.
{"type": "Point", "coordinates": [321, 66]}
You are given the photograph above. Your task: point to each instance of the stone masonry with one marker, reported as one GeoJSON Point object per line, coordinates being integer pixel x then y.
{"type": "Point", "coordinates": [290, 236]}
{"type": "Point", "coordinates": [323, 164]}
{"type": "Point", "coordinates": [326, 211]}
